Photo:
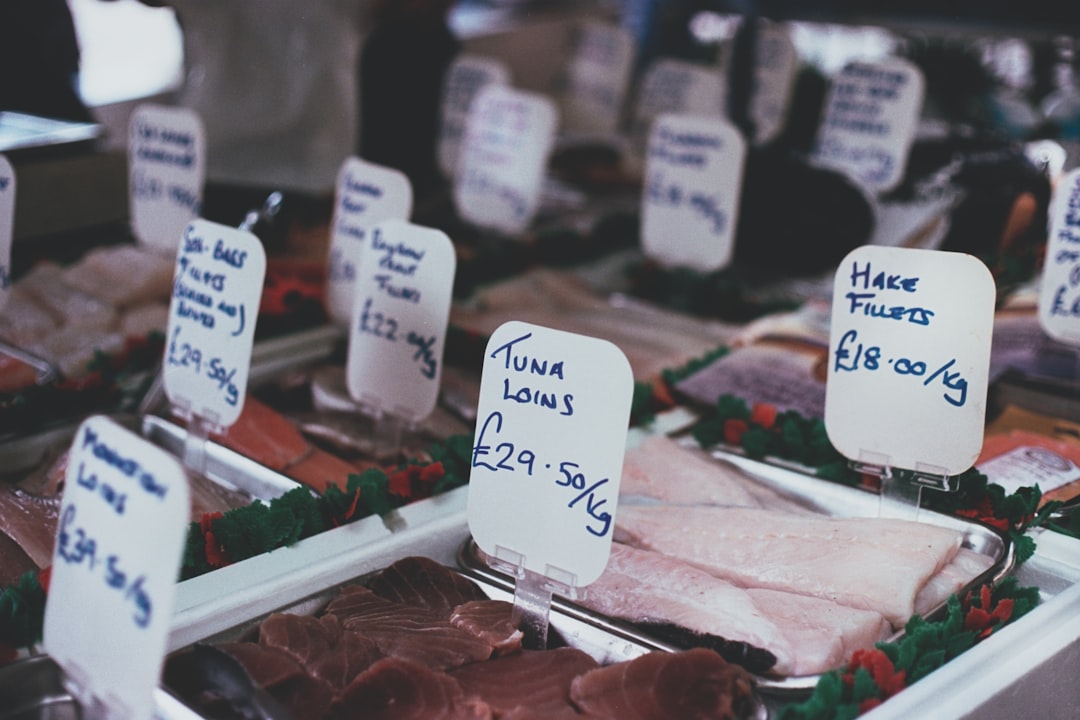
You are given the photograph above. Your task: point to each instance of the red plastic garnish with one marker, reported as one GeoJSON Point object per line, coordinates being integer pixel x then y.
{"type": "Point", "coordinates": [734, 429]}
{"type": "Point", "coordinates": [44, 576]}
{"type": "Point", "coordinates": [215, 553]}
{"type": "Point", "coordinates": [764, 415]}
{"type": "Point", "coordinates": [986, 617]}
{"type": "Point", "coordinates": [888, 679]}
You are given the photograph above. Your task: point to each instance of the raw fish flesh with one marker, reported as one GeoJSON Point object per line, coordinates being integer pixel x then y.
{"type": "Point", "coordinates": [646, 587]}
{"type": "Point", "coordinates": [425, 583]}
{"type": "Point", "coordinates": [661, 469]}
{"type": "Point", "coordinates": [320, 646]}
{"type": "Point", "coordinates": [491, 621]}
{"type": "Point", "coordinates": [395, 689]}
{"type": "Point", "coordinates": [691, 685]}
{"type": "Point", "coordinates": [870, 563]}
{"type": "Point", "coordinates": [283, 678]}
{"type": "Point", "coordinates": [965, 567]}
{"type": "Point", "coordinates": [823, 634]}
{"type": "Point", "coordinates": [536, 681]}
{"type": "Point", "coordinates": [122, 275]}
{"type": "Point", "coordinates": [407, 632]}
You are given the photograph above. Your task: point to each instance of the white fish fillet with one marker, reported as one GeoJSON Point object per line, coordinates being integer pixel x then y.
{"type": "Point", "coordinates": [643, 586]}
{"type": "Point", "coordinates": [870, 563]}
{"type": "Point", "coordinates": [822, 633]}
{"type": "Point", "coordinates": [660, 469]}
{"type": "Point", "coordinates": [965, 567]}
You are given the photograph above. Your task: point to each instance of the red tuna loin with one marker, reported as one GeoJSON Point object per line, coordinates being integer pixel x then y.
{"type": "Point", "coordinates": [425, 583]}
{"type": "Point", "coordinates": [409, 633]}
{"type": "Point", "coordinates": [537, 681]}
{"type": "Point", "coordinates": [320, 645]}
{"type": "Point", "coordinates": [491, 621]}
{"type": "Point", "coordinates": [393, 689]}
{"type": "Point", "coordinates": [283, 678]}
{"type": "Point", "coordinates": [690, 685]}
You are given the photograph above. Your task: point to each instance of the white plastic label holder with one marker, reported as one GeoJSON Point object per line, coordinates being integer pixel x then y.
{"type": "Point", "coordinates": [532, 594]}
{"type": "Point", "coordinates": [902, 490]}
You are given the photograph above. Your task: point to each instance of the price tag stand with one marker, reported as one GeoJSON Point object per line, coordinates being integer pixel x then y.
{"type": "Point", "coordinates": [909, 356]}
{"type": "Point", "coordinates": [547, 462]}
{"type": "Point", "coordinates": [532, 595]}
{"type": "Point", "coordinates": [200, 429]}
{"type": "Point", "coordinates": [901, 490]}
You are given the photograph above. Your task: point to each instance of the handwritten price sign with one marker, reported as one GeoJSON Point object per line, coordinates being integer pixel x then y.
{"type": "Point", "coordinates": [909, 357]}
{"type": "Point", "coordinates": [119, 541]}
{"type": "Point", "coordinates": [547, 460]}
{"type": "Point", "coordinates": [215, 302]}
{"type": "Point", "coordinates": [399, 319]}
{"type": "Point", "coordinates": [1059, 295]}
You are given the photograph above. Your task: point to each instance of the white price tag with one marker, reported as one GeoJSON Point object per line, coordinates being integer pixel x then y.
{"type": "Point", "coordinates": [597, 77]}
{"type": "Point", "coordinates": [774, 81]}
{"type": "Point", "coordinates": [1059, 293]}
{"type": "Point", "coordinates": [465, 77]}
{"type": "Point", "coordinates": [7, 225]}
{"type": "Point", "coordinates": [166, 172]}
{"type": "Point", "coordinates": [508, 138]}
{"type": "Point", "coordinates": [871, 114]}
{"type": "Point", "coordinates": [217, 288]}
{"type": "Point", "coordinates": [399, 319]}
{"type": "Point", "coordinates": [909, 358]}
{"type": "Point", "coordinates": [677, 86]}
{"type": "Point", "coordinates": [366, 195]}
{"type": "Point", "coordinates": [693, 177]}
{"type": "Point", "coordinates": [120, 537]}
{"type": "Point", "coordinates": [547, 461]}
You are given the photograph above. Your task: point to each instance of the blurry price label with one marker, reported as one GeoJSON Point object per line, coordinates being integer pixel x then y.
{"type": "Point", "coordinates": [677, 86]}
{"type": "Point", "coordinates": [547, 461]}
{"type": "Point", "coordinates": [871, 115]}
{"type": "Point", "coordinates": [774, 81]}
{"type": "Point", "coordinates": [909, 357]}
{"type": "Point", "coordinates": [464, 79]}
{"type": "Point", "coordinates": [217, 287]}
{"type": "Point", "coordinates": [597, 77]}
{"type": "Point", "coordinates": [120, 537]}
{"type": "Point", "coordinates": [399, 319]}
{"type": "Point", "coordinates": [508, 138]}
{"type": "Point", "coordinates": [7, 225]}
{"type": "Point", "coordinates": [1059, 294]}
{"type": "Point", "coordinates": [166, 171]}
{"type": "Point", "coordinates": [366, 195]}
{"type": "Point", "coordinates": [693, 175]}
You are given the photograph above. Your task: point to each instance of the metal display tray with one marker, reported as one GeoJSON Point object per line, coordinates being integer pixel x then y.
{"type": "Point", "coordinates": [828, 498]}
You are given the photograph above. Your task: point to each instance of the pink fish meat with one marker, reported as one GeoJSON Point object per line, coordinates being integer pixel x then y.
{"type": "Point", "coordinates": [870, 563]}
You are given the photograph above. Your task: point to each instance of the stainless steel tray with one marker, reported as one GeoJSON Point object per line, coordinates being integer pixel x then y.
{"type": "Point", "coordinates": [223, 465]}
{"type": "Point", "coordinates": [826, 497]}
{"type": "Point", "coordinates": [605, 641]}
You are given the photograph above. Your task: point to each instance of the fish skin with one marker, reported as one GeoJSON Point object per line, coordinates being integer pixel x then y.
{"type": "Point", "coordinates": [643, 586]}
{"type": "Point", "coordinates": [870, 563]}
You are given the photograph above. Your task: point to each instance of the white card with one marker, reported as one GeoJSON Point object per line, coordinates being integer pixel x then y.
{"type": "Point", "coordinates": [909, 358]}
{"type": "Point", "coordinates": [871, 114]}
{"type": "Point", "coordinates": [400, 313]}
{"type": "Point", "coordinates": [166, 172]}
{"type": "Point", "coordinates": [690, 202]}
{"type": "Point", "coordinates": [596, 78]}
{"type": "Point", "coordinates": [120, 538]}
{"type": "Point", "coordinates": [1059, 293]}
{"type": "Point", "coordinates": [465, 77]}
{"type": "Point", "coordinates": [547, 461]}
{"type": "Point", "coordinates": [677, 86]}
{"type": "Point", "coordinates": [508, 138]}
{"type": "Point", "coordinates": [217, 287]}
{"type": "Point", "coordinates": [774, 81]}
{"type": "Point", "coordinates": [7, 225]}
{"type": "Point", "coordinates": [366, 195]}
